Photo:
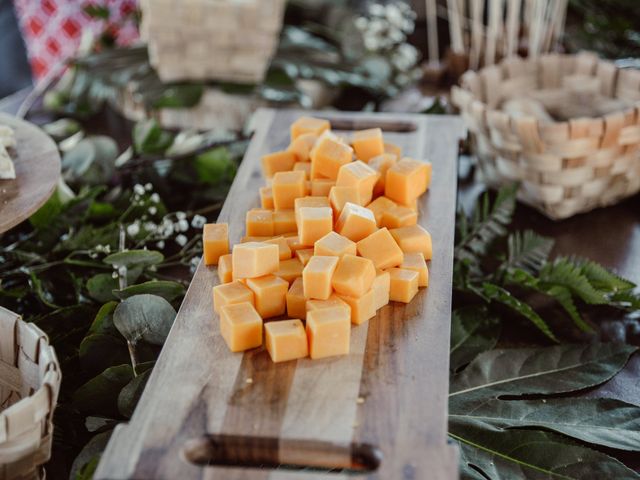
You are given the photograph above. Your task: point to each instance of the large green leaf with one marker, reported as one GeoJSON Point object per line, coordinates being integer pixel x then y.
{"type": "Point", "coordinates": [134, 258]}
{"type": "Point", "coordinates": [163, 288]}
{"type": "Point", "coordinates": [511, 454]}
{"type": "Point", "coordinates": [130, 394]}
{"type": "Point", "coordinates": [473, 330]}
{"type": "Point", "coordinates": [101, 286]}
{"type": "Point", "coordinates": [99, 396]}
{"type": "Point", "coordinates": [144, 317]}
{"type": "Point", "coordinates": [99, 351]}
{"type": "Point", "coordinates": [87, 460]}
{"type": "Point", "coordinates": [559, 369]}
{"type": "Point", "coordinates": [103, 321]}
{"type": "Point", "coordinates": [600, 421]}
{"type": "Point", "coordinates": [527, 250]}
{"type": "Point", "coordinates": [148, 137]}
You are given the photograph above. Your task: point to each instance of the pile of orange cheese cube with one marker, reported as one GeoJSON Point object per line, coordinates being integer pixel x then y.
{"type": "Point", "coordinates": [336, 238]}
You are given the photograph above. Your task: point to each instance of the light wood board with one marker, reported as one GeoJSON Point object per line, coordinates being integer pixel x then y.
{"type": "Point", "coordinates": [37, 165]}
{"type": "Point", "coordinates": [388, 397]}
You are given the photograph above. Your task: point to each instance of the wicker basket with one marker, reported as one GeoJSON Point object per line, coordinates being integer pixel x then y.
{"type": "Point", "coordinates": [228, 40]}
{"type": "Point", "coordinates": [565, 167]}
{"type": "Point", "coordinates": [29, 385]}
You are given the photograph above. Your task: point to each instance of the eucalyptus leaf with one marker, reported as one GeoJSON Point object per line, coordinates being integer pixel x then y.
{"type": "Point", "coordinates": [99, 351]}
{"type": "Point", "coordinates": [215, 166]}
{"type": "Point", "coordinates": [473, 331]}
{"type": "Point", "coordinates": [87, 460]}
{"type": "Point", "coordinates": [148, 137]}
{"type": "Point", "coordinates": [130, 394]}
{"type": "Point", "coordinates": [101, 286]}
{"type": "Point", "coordinates": [134, 258]}
{"type": "Point", "coordinates": [92, 161]}
{"type": "Point", "coordinates": [144, 317]}
{"type": "Point", "coordinates": [62, 128]}
{"type": "Point", "coordinates": [164, 288]}
{"type": "Point", "coordinates": [98, 424]}
{"type": "Point", "coordinates": [99, 396]}
{"type": "Point", "coordinates": [179, 96]}
{"type": "Point", "coordinates": [559, 369]}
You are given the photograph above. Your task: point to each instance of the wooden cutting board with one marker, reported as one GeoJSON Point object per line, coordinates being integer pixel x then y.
{"type": "Point", "coordinates": [37, 163]}
{"type": "Point", "coordinates": [380, 411]}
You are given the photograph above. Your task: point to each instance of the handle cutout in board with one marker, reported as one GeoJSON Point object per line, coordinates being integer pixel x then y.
{"type": "Point", "coordinates": [349, 124]}
{"type": "Point", "coordinates": [273, 453]}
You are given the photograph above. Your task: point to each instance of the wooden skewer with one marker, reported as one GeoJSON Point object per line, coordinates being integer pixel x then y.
{"type": "Point", "coordinates": [457, 45]}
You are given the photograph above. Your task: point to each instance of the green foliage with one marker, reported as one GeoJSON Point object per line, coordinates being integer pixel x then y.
{"type": "Point", "coordinates": [506, 284]}
{"type": "Point", "coordinates": [144, 317]}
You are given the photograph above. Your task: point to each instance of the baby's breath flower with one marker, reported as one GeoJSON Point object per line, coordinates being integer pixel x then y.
{"type": "Point", "coordinates": [181, 215]}
{"type": "Point", "coordinates": [148, 187]}
{"type": "Point", "coordinates": [114, 275]}
{"type": "Point", "coordinates": [193, 264]}
{"type": "Point", "coordinates": [133, 229]}
{"type": "Point", "coordinates": [181, 225]}
{"type": "Point", "coordinates": [150, 227]}
{"type": "Point", "coordinates": [160, 244]}
{"type": "Point", "coordinates": [155, 198]}
{"type": "Point", "coordinates": [181, 240]}
{"type": "Point", "coordinates": [198, 221]}
{"type": "Point", "coordinates": [122, 270]}
{"type": "Point", "coordinates": [138, 189]}
{"type": "Point", "coordinates": [153, 210]}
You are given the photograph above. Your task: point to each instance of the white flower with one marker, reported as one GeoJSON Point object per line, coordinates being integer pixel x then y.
{"type": "Point", "coordinates": [394, 15]}
{"type": "Point", "coordinates": [198, 221]}
{"type": "Point", "coordinates": [133, 229]}
{"type": "Point", "coordinates": [64, 237]}
{"type": "Point", "coordinates": [181, 215]}
{"type": "Point", "coordinates": [122, 270]}
{"type": "Point", "coordinates": [138, 189]}
{"type": "Point", "coordinates": [160, 244]}
{"type": "Point", "coordinates": [376, 9]}
{"type": "Point", "coordinates": [193, 264]}
{"type": "Point", "coordinates": [114, 275]}
{"type": "Point", "coordinates": [361, 23]}
{"type": "Point", "coordinates": [155, 198]}
{"type": "Point", "coordinates": [150, 227]}
{"type": "Point", "coordinates": [181, 225]}
{"type": "Point", "coordinates": [148, 187]}
{"type": "Point", "coordinates": [166, 229]}
{"type": "Point", "coordinates": [371, 42]}
{"type": "Point", "coordinates": [181, 240]}
{"type": "Point", "coordinates": [153, 210]}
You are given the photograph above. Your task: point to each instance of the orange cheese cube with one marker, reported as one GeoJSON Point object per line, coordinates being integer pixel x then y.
{"type": "Point", "coordinates": [255, 259]}
{"type": "Point", "coordinates": [317, 275]}
{"type": "Point", "coordinates": [328, 156]}
{"type": "Point", "coordinates": [332, 302]}
{"type": "Point", "coordinates": [356, 222]}
{"type": "Point", "coordinates": [295, 244]}
{"type": "Point", "coordinates": [340, 196]}
{"type": "Point", "coordinates": [381, 164]}
{"type": "Point", "coordinates": [289, 270]}
{"type": "Point", "coordinates": [314, 223]}
{"type": "Point", "coordinates": [266, 198]}
{"type": "Point", "coordinates": [328, 331]}
{"type": "Point", "coordinates": [286, 340]}
{"type": "Point", "coordinates": [284, 251]}
{"type": "Point", "coordinates": [230, 293]}
{"type": "Point", "coordinates": [312, 125]}
{"type": "Point", "coordinates": [277, 162]}
{"type": "Point", "coordinates": [302, 145]}
{"type": "Point", "coordinates": [407, 180]}
{"type": "Point", "coordinates": [310, 201]}
{"type": "Point", "coordinates": [381, 249]}
{"type": "Point", "coordinates": [286, 187]}
{"type": "Point", "coordinates": [254, 238]}
{"type": "Point", "coordinates": [361, 176]}
{"type": "Point", "coordinates": [404, 284]}
{"type": "Point", "coordinates": [393, 149]}
{"type": "Point", "coordinates": [381, 287]}
{"type": "Point", "coordinates": [353, 276]}
{"type": "Point", "coordinates": [270, 294]}
{"type": "Point", "coordinates": [413, 239]}
{"type": "Point", "coordinates": [240, 326]}
{"type": "Point", "coordinates": [224, 268]}
{"type": "Point", "coordinates": [321, 186]}
{"type": "Point", "coordinates": [379, 206]}
{"type": "Point", "coordinates": [296, 301]}
{"type": "Point", "coordinates": [215, 242]}
{"type": "Point", "coordinates": [303, 167]}
{"type": "Point", "coordinates": [416, 262]}
{"type": "Point", "coordinates": [304, 255]}
{"type": "Point", "coordinates": [368, 143]}
{"type": "Point", "coordinates": [334, 245]}
{"type": "Point", "coordinates": [399, 216]}
{"type": "Point", "coordinates": [362, 308]}
{"type": "Point", "coordinates": [284, 221]}
{"type": "Point", "coordinates": [259, 223]}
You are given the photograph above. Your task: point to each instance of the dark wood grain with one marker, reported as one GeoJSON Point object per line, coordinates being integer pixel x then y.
{"type": "Point", "coordinates": [37, 165]}
{"type": "Point", "coordinates": [389, 393]}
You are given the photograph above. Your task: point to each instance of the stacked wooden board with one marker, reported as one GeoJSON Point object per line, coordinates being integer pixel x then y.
{"type": "Point", "coordinates": [381, 410]}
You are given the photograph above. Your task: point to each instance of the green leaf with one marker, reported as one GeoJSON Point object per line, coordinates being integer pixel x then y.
{"type": "Point", "coordinates": [511, 454]}
{"type": "Point", "coordinates": [101, 286]}
{"type": "Point", "coordinates": [564, 298]}
{"type": "Point", "coordinates": [180, 96]}
{"type": "Point", "coordinates": [62, 128]}
{"type": "Point", "coordinates": [148, 137]}
{"type": "Point", "coordinates": [99, 424]}
{"type": "Point", "coordinates": [527, 250]}
{"type": "Point", "coordinates": [164, 288]}
{"type": "Point", "coordinates": [215, 166]}
{"type": "Point", "coordinates": [600, 421]}
{"type": "Point", "coordinates": [87, 460]}
{"type": "Point", "coordinates": [504, 297]}
{"type": "Point", "coordinates": [603, 279]}
{"type": "Point", "coordinates": [134, 258]}
{"type": "Point", "coordinates": [563, 272]}
{"type": "Point", "coordinates": [144, 317]}
{"type": "Point", "coordinates": [99, 351]}
{"type": "Point", "coordinates": [130, 394]}
{"type": "Point", "coordinates": [558, 369]}
{"type": "Point", "coordinates": [91, 161]}
{"type": "Point", "coordinates": [99, 396]}
{"type": "Point", "coordinates": [473, 331]}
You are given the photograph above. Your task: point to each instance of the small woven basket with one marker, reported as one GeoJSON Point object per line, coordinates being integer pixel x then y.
{"type": "Point", "coordinates": [227, 40]}
{"type": "Point", "coordinates": [29, 385]}
{"type": "Point", "coordinates": [564, 167]}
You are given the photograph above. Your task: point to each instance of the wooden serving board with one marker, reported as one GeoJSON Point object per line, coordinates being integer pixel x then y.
{"type": "Point", "coordinates": [380, 411]}
{"type": "Point", "coordinates": [37, 165]}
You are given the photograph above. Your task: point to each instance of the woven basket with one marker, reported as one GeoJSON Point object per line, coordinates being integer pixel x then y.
{"type": "Point", "coordinates": [29, 385]}
{"type": "Point", "coordinates": [228, 40]}
{"type": "Point", "coordinates": [564, 167]}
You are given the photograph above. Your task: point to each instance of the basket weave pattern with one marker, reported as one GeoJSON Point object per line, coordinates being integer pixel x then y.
{"type": "Point", "coordinates": [564, 167]}
{"type": "Point", "coordinates": [228, 40]}
{"type": "Point", "coordinates": [29, 385]}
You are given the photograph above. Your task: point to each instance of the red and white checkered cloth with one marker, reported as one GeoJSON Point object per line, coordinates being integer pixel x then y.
{"type": "Point", "coordinates": [52, 29]}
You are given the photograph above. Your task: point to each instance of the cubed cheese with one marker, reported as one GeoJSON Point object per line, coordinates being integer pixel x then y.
{"type": "Point", "coordinates": [332, 302]}
{"type": "Point", "coordinates": [310, 201]}
{"type": "Point", "coordinates": [317, 276]}
{"type": "Point", "coordinates": [356, 222]}
{"type": "Point", "coordinates": [255, 259]}
{"type": "Point", "coordinates": [286, 340]}
{"type": "Point", "coordinates": [215, 242]}
{"type": "Point", "coordinates": [289, 270]}
{"type": "Point", "coordinates": [328, 156]}
{"type": "Point", "coordinates": [286, 187]}
{"type": "Point", "coordinates": [353, 276]}
{"type": "Point", "coordinates": [413, 239]}
{"type": "Point", "coordinates": [335, 245]}
{"type": "Point", "coordinates": [407, 180]}
{"type": "Point", "coordinates": [321, 186]}
{"type": "Point", "coordinates": [393, 149]}
{"type": "Point", "coordinates": [296, 301]}
{"type": "Point", "coordinates": [240, 326]}
{"type": "Point", "coordinates": [379, 206]}
{"type": "Point", "coordinates": [277, 162]}
{"type": "Point", "coordinates": [225, 268]}
{"type": "Point", "coordinates": [360, 176]}
{"type": "Point", "coordinates": [399, 216]}
{"type": "Point", "coordinates": [284, 221]}
{"type": "Point", "coordinates": [368, 143]}
{"type": "Point", "coordinates": [381, 287]}
{"type": "Point", "coordinates": [266, 198]}
{"type": "Point", "coordinates": [304, 255]}
{"type": "Point", "coordinates": [404, 284]}
{"type": "Point", "coordinates": [381, 249]}
{"type": "Point", "coordinates": [302, 145]}
{"type": "Point", "coordinates": [259, 222]}
{"type": "Point", "coordinates": [381, 164]}
{"type": "Point", "coordinates": [303, 167]}
{"type": "Point", "coordinates": [362, 308]}
{"type": "Point", "coordinates": [270, 294]}
{"type": "Point", "coordinates": [283, 247]}
{"type": "Point", "coordinates": [340, 196]}
{"type": "Point", "coordinates": [415, 261]}
{"type": "Point", "coordinates": [314, 223]}
{"type": "Point", "coordinates": [229, 293]}
{"type": "Point", "coordinates": [328, 331]}
{"type": "Point", "coordinates": [303, 125]}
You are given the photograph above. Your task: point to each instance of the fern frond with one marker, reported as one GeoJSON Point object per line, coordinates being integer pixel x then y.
{"type": "Point", "coordinates": [563, 296]}
{"type": "Point", "coordinates": [527, 250]}
{"type": "Point", "coordinates": [488, 224]}
{"type": "Point", "coordinates": [565, 273]}
{"type": "Point", "coordinates": [601, 278]}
